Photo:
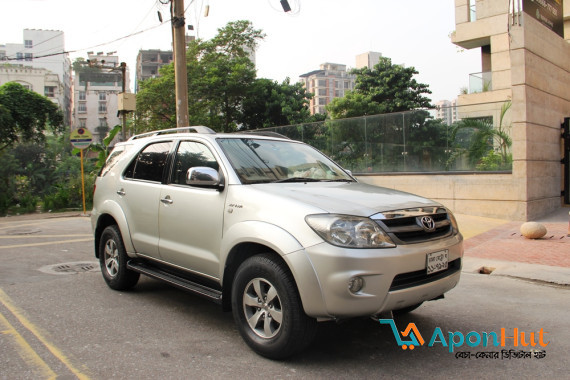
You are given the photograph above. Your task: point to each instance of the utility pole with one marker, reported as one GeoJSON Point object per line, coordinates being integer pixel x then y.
{"type": "Point", "coordinates": [123, 112]}
{"type": "Point", "coordinates": [180, 73]}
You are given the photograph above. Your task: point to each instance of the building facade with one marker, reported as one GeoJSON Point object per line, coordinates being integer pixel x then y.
{"type": "Point", "coordinates": [148, 63]}
{"type": "Point", "coordinates": [95, 93]}
{"type": "Point", "coordinates": [447, 111]}
{"type": "Point", "coordinates": [329, 82]}
{"type": "Point", "coordinates": [43, 49]}
{"type": "Point", "coordinates": [368, 59]}
{"type": "Point", "coordinates": [525, 60]}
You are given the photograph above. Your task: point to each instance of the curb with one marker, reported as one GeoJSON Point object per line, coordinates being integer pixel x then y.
{"type": "Point", "coordinates": [534, 272]}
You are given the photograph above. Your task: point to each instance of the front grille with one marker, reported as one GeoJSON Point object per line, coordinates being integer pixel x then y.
{"type": "Point", "coordinates": [420, 277]}
{"type": "Point", "coordinates": [406, 227]}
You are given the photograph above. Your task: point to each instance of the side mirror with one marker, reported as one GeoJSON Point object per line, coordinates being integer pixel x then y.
{"type": "Point", "coordinates": [202, 176]}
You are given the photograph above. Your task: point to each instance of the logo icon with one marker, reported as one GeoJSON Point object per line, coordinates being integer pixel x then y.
{"type": "Point", "coordinates": [411, 332]}
{"type": "Point", "coordinates": [427, 223]}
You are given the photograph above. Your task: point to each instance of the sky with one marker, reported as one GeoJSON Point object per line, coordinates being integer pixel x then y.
{"type": "Point", "coordinates": [411, 32]}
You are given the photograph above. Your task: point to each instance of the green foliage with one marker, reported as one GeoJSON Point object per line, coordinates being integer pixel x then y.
{"type": "Point", "coordinates": [25, 116]}
{"type": "Point", "coordinates": [386, 88]}
{"type": "Point", "coordinates": [269, 104]}
{"type": "Point", "coordinates": [223, 92]}
{"type": "Point", "coordinates": [102, 148]}
{"type": "Point", "coordinates": [483, 143]}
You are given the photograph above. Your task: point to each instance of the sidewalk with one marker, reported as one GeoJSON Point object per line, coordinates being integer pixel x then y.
{"type": "Point", "coordinates": [497, 246]}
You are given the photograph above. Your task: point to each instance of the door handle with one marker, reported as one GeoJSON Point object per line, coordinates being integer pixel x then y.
{"type": "Point", "coordinates": [121, 192]}
{"type": "Point", "coordinates": [166, 200]}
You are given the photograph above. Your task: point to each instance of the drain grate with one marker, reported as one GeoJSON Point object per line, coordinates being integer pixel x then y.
{"type": "Point", "coordinates": [72, 268]}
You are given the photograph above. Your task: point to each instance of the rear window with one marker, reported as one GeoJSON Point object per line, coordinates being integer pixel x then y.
{"type": "Point", "coordinates": [113, 158]}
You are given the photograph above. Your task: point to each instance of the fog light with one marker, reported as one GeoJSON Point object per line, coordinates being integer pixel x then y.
{"type": "Point", "coordinates": [355, 284]}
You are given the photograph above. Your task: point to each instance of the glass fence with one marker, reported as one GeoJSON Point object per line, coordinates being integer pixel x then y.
{"type": "Point", "coordinates": [447, 139]}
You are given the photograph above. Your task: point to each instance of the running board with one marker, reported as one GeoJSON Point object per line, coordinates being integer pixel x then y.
{"type": "Point", "coordinates": [177, 281]}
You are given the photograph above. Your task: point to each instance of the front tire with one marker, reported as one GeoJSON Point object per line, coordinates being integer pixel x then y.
{"type": "Point", "coordinates": [113, 260]}
{"type": "Point", "coordinates": [267, 309]}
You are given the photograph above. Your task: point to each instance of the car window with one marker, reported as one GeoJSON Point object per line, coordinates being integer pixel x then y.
{"type": "Point", "coordinates": [188, 155]}
{"type": "Point", "coordinates": [262, 161]}
{"type": "Point", "coordinates": [150, 162]}
{"type": "Point", "coordinates": [113, 158]}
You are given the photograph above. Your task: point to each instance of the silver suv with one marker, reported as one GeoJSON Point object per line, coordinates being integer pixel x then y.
{"type": "Point", "coordinates": [269, 228]}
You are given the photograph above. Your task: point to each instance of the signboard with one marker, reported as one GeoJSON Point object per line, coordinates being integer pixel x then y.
{"type": "Point", "coordinates": [547, 12]}
{"type": "Point", "coordinates": [81, 138]}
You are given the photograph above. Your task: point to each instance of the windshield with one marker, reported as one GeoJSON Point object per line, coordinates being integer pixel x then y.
{"type": "Point", "coordinates": [263, 161]}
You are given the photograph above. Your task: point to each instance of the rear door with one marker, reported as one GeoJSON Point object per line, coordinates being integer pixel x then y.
{"type": "Point", "coordinates": [191, 218]}
{"type": "Point", "coordinates": [139, 195]}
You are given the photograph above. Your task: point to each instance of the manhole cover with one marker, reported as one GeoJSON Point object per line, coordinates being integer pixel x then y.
{"type": "Point", "coordinates": [23, 231]}
{"type": "Point", "coordinates": [72, 268]}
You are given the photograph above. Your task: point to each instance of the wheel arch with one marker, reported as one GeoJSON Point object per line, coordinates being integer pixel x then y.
{"type": "Point", "coordinates": [112, 214]}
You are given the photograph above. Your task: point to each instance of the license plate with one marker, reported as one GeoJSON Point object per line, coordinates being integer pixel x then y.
{"type": "Point", "coordinates": [436, 261]}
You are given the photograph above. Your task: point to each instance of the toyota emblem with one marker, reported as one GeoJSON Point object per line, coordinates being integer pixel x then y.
{"type": "Point", "coordinates": [427, 223]}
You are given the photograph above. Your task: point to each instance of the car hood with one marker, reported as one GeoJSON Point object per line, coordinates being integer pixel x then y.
{"type": "Point", "coordinates": [350, 198]}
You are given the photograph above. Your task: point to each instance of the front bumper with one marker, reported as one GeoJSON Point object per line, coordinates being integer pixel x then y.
{"type": "Point", "coordinates": [327, 295]}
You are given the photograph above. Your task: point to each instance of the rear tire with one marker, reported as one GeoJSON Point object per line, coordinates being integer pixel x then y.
{"type": "Point", "coordinates": [267, 309]}
{"type": "Point", "coordinates": [113, 260]}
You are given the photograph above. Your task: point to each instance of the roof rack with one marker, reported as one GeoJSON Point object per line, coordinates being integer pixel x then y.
{"type": "Point", "coordinates": [194, 129]}
{"type": "Point", "coordinates": [265, 133]}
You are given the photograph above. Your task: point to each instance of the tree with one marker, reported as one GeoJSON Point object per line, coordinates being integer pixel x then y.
{"type": "Point", "coordinates": [223, 92]}
{"type": "Point", "coordinates": [270, 104]}
{"type": "Point", "coordinates": [487, 147]}
{"type": "Point", "coordinates": [25, 116]}
{"type": "Point", "coordinates": [386, 88]}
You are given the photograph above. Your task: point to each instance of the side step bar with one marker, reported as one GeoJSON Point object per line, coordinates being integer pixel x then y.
{"type": "Point", "coordinates": [177, 281]}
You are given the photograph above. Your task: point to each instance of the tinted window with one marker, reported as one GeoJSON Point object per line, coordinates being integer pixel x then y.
{"type": "Point", "coordinates": [191, 154]}
{"type": "Point", "coordinates": [150, 162]}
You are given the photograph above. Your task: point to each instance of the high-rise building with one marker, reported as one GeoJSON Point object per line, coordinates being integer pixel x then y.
{"type": "Point", "coordinates": [447, 111]}
{"type": "Point", "coordinates": [96, 88]}
{"type": "Point", "coordinates": [329, 82]}
{"type": "Point", "coordinates": [42, 49]}
{"type": "Point", "coordinates": [148, 63]}
{"type": "Point", "coordinates": [368, 59]}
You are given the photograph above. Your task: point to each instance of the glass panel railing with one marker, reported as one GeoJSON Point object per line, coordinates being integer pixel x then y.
{"type": "Point", "coordinates": [480, 82]}
{"type": "Point", "coordinates": [415, 141]}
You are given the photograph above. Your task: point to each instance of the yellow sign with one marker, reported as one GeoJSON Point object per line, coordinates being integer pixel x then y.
{"type": "Point", "coordinates": [81, 138]}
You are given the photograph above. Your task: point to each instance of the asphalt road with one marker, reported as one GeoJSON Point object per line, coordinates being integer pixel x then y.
{"type": "Point", "coordinates": [59, 319]}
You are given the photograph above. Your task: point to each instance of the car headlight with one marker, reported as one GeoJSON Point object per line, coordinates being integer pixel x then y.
{"type": "Point", "coordinates": [453, 222]}
{"type": "Point", "coordinates": [349, 231]}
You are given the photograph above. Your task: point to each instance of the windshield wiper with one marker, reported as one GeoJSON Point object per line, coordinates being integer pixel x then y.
{"type": "Point", "coordinates": [340, 180]}
{"type": "Point", "coordinates": [297, 179]}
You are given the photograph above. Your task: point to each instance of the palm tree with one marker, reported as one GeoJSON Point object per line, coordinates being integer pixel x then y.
{"type": "Point", "coordinates": [486, 140]}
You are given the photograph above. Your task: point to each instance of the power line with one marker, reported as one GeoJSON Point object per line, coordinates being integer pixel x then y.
{"type": "Point", "coordinates": [94, 46]}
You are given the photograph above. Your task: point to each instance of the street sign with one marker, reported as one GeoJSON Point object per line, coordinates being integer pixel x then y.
{"type": "Point", "coordinates": [81, 138]}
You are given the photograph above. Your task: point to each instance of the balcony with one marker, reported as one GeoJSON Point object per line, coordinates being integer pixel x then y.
{"type": "Point", "coordinates": [480, 82]}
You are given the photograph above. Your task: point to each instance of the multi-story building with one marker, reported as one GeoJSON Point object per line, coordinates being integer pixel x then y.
{"type": "Point", "coordinates": [368, 59]}
{"type": "Point", "coordinates": [96, 88]}
{"type": "Point", "coordinates": [329, 82]}
{"type": "Point", "coordinates": [43, 49]}
{"type": "Point", "coordinates": [41, 81]}
{"type": "Point", "coordinates": [148, 63]}
{"type": "Point", "coordinates": [447, 111]}
{"type": "Point", "coordinates": [525, 59]}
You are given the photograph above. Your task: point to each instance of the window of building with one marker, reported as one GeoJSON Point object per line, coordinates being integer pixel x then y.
{"type": "Point", "coordinates": [337, 94]}
{"type": "Point", "coordinates": [102, 107]}
{"type": "Point", "coordinates": [82, 95]}
{"type": "Point", "coordinates": [28, 56]}
{"type": "Point", "coordinates": [19, 56]}
{"type": "Point", "coordinates": [49, 91]}
{"type": "Point", "coordinates": [322, 92]}
{"type": "Point", "coordinates": [28, 44]}
{"type": "Point", "coordinates": [82, 108]}
{"type": "Point", "coordinates": [83, 123]}
{"type": "Point", "coordinates": [102, 96]}
{"type": "Point", "coordinates": [472, 10]}
{"type": "Point", "coordinates": [103, 122]}
{"type": "Point", "coordinates": [322, 101]}
{"type": "Point", "coordinates": [322, 83]}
